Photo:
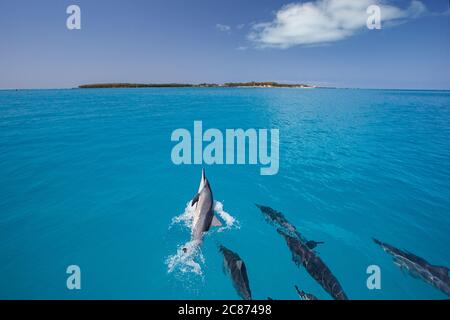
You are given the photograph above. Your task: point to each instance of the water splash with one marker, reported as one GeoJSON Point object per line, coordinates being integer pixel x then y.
{"type": "Point", "coordinates": [229, 220]}
{"type": "Point", "coordinates": [189, 257]}
{"type": "Point", "coordinates": [185, 218]}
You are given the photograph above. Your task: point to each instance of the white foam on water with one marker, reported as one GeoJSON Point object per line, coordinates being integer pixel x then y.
{"type": "Point", "coordinates": [189, 258]}
{"type": "Point", "coordinates": [184, 218]}
{"type": "Point", "coordinates": [229, 220]}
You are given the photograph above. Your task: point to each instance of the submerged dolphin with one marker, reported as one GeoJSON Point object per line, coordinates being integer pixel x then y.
{"type": "Point", "coordinates": [203, 205]}
{"type": "Point", "coordinates": [278, 218]}
{"type": "Point", "coordinates": [437, 276]}
{"type": "Point", "coordinates": [305, 296]}
{"type": "Point", "coordinates": [235, 267]}
{"type": "Point", "coordinates": [302, 255]}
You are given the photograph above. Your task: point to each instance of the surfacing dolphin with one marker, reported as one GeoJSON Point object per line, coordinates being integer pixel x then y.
{"type": "Point", "coordinates": [279, 219]}
{"type": "Point", "coordinates": [437, 276]}
{"type": "Point", "coordinates": [203, 206]}
{"type": "Point", "coordinates": [302, 255]}
{"type": "Point", "coordinates": [235, 267]}
{"type": "Point", "coordinates": [305, 296]}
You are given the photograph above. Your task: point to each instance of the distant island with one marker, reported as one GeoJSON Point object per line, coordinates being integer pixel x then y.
{"type": "Point", "coordinates": [252, 84]}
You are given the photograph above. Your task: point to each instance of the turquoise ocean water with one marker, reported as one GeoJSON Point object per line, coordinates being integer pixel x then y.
{"type": "Point", "coordinates": [86, 178]}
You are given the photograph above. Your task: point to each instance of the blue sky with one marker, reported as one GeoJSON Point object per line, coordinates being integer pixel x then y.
{"type": "Point", "coordinates": [219, 41]}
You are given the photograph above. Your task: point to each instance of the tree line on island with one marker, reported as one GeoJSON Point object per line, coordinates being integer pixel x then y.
{"type": "Point", "coordinates": [254, 84]}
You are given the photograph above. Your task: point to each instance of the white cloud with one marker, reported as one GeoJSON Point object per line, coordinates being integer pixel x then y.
{"type": "Point", "coordinates": [223, 27]}
{"type": "Point", "coordinates": [325, 21]}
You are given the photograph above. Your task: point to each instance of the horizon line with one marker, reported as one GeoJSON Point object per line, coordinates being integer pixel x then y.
{"type": "Point", "coordinates": [225, 87]}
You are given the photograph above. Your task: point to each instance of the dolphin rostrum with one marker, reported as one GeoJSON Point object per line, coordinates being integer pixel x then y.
{"type": "Point", "coordinates": [276, 217]}
{"type": "Point", "coordinates": [305, 296]}
{"type": "Point", "coordinates": [203, 205]}
{"type": "Point", "coordinates": [235, 267]}
{"type": "Point", "coordinates": [437, 276]}
{"type": "Point", "coordinates": [302, 255]}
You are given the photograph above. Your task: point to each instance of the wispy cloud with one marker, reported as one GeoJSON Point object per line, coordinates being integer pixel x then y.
{"type": "Point", "coordinates": [223, 27]}
{"type": "Point", "coordinates": [325, 21]}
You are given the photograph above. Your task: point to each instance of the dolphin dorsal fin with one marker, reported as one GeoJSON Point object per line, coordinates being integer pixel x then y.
{"type": "Point", "coordinates": [195, 199]}
{"type": "Point", "coordinates": [216, 222]}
